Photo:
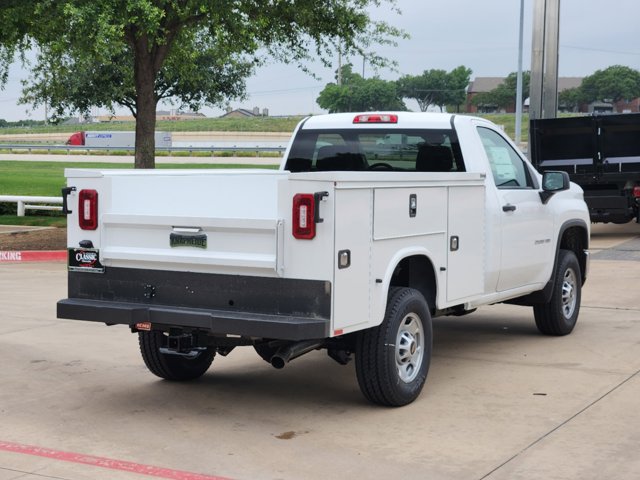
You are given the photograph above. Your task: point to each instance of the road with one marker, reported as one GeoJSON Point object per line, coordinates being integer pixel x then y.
{"type": "Point", "coordinates": [501, 401]}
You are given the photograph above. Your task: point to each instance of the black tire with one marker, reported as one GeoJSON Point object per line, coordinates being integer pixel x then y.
{"type": "Point", "coordinates": [168, 366]}
{"type": "Point", "coordinates": [559, 316]}
{"type": "Point", "coordinates": [392, 360]}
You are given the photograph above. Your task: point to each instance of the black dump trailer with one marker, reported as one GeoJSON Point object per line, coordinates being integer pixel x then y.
{"type": "Point", "coordinates": [601, 153]}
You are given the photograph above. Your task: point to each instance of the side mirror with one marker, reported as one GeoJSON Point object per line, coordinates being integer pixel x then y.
{"type": "Point", "coordinates": [553, 182]}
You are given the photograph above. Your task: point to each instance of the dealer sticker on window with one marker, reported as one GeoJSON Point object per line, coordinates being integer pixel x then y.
{"type": "Point", "coordinates": [85, 260]}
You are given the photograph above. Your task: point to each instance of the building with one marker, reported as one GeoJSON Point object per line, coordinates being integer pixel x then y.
{"type": "Point", "coordinates": [628, 106]}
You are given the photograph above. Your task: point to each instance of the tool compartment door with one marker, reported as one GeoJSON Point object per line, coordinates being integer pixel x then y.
{"type": "Point", "coordinates": [466, 252]}
{"type": "Point", "coordinates": [353, 222]}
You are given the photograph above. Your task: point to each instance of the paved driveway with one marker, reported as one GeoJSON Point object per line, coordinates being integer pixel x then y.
{"type": "Point", "coordinates": [501, 401]}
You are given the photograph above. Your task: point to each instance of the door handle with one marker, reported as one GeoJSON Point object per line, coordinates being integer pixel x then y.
{"type": "Point", "coordinates": [508, 208]}
{"type": "Point", "coordinates": [66, 191]}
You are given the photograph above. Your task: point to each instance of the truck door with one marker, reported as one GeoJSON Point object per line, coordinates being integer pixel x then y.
{"type": "Point", "coordinates": [527, 242]}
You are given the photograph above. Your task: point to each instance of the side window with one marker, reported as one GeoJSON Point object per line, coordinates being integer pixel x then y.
{"type": "Point", "coordinates": [509, 171]}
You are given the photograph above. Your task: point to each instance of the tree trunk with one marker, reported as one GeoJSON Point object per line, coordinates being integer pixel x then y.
{"type": "Point", "coordinates": [145, 108]}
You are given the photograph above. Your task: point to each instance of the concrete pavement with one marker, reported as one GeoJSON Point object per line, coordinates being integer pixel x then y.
{"type": "Point", "coordinates": [501, 401]}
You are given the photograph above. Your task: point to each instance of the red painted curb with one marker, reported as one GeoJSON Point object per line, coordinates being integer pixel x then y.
{"type": "Point", "coordinates": [33, 256]}
{"type": "Point", "coordinates": [103, 462]}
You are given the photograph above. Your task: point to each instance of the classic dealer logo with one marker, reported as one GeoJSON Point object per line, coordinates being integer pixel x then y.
{"type": "Point", "coordinates": [87, 259]}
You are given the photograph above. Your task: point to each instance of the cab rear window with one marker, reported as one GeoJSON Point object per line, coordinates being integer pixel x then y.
{"type": "Point", "coordinates": [377, 149]}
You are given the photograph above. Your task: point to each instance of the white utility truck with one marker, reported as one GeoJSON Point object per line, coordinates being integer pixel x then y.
{"type": "Point", "coordinates": [374, 224]}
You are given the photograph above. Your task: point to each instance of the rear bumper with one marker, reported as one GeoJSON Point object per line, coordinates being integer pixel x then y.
{"type": "Point", "coordinates": [216, 322]}
{"type": "Point", "coordinates": [277, 308]}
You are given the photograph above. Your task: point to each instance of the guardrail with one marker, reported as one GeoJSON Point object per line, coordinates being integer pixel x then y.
{"type": "Point", "coordinates": [81, 148]}
{"type": "Point", "coordinates": [25, 203]}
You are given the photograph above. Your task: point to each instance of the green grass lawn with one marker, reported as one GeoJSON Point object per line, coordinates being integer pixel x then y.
{"type": "Point", "coordinates": [31, 220]}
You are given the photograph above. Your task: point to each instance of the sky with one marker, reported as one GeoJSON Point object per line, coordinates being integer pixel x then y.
{"type": "Point", "coordinates": [481, 35]}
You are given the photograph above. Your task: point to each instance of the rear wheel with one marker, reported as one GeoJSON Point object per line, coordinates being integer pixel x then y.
{"type": "Point", "coordinates": [172, 366]}
{"type": "Point", "coordinates": [559, 316]}
{"type": "Point", "coordinates": [392, 360]}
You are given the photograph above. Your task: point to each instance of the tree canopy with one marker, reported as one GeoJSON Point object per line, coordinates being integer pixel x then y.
{"type": "Point", "coordinates": [612, 84]}
{"type": "Point", "coordinates": [15, 24]}
{"type": "Point", "coordinates": [359, 94]}
{"type": "Point", "coordinates": [436, 87]}
{"type": "Point", "coordinates": [570, 99]}
{"type": "Point", "coordinates": [138, 52]}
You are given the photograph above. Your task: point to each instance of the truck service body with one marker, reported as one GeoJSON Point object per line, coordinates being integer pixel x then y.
{"type": "Point", "coordinates": [373, 224]}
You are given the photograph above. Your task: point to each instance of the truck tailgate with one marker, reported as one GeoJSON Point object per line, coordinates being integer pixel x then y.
{"type": "Point", "coordinates": [190, 220]}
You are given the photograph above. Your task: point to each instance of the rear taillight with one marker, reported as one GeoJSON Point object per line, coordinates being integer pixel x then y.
{"type": "Point", "coordinates": [636, 192]}
{"type": "Point", "coordinates": [88, 209]}
{"type": "Point", "coordinates": [303, 218]}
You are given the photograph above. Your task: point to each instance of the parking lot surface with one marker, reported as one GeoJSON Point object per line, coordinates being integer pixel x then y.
{"type": "Point", "coordinates": [501, 401]}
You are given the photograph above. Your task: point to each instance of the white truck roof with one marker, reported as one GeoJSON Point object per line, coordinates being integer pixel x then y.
{"type": "Point", "coordinates": [420, 120]}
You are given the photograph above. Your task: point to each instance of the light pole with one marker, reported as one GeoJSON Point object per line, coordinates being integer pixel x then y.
{"type": "Point", "coordinates": [544, 59]}
{"type": "Point", "coordinates": [519, 98]}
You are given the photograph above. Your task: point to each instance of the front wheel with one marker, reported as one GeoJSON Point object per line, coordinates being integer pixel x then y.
{"type": "Point", "coordinates": [559, 316]}
{"type": "Point", "coordinates": [172, 366]}
{"type": "Point", "coordinates": [392, 360]}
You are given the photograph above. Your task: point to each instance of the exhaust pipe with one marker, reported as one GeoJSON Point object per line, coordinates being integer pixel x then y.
{"type": "Point", "coordinates": [294, 350]}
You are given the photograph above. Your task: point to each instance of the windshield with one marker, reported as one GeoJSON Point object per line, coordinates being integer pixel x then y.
{"type": "Point", "coordinates": [405, 150]}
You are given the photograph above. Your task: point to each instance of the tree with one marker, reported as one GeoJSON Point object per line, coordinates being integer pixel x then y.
{"type": "Point", "coordinates": [359, 94]}
{"type": "Point", "coordinates": [570, 99]}
{"type": "Point", "coordinates": [504, 95]}
{"type": "Point", "coordinates": [430, 88]}
{"type": "Point", "coordinates": [457, 82]}
{"type": "Point", "coordinates": [15, 23]}
{"type": "Point", "coordinates": [436, 87]}
{"type": "Point", "coordinates": [137, 52]}
{"type": "Point", "coordinates": [612, 84]}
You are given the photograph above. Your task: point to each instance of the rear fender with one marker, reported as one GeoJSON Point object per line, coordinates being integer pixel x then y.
{"type": "Point", "coordinates": [411, 267]}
